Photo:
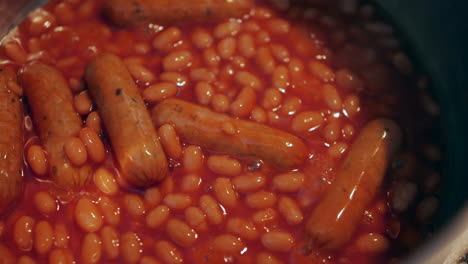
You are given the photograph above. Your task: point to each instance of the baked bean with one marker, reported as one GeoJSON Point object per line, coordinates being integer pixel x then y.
{"type": "Point", "coordinates": [204, 92]}
{"type": "Point", "coordinates": [93, 121]}
{"type": "Point", "coordinates": [168, 252]}
{"type": "Point", "coordinates": [262, 13]}
{"type": "Point", "coordinates": [224, 165]}
{"type": "Point", "coordinates": [277, 241]}
{"type": "Point", "coordinates": [45, 203]}
{"type": "Point", "coordinates": [224, 192]}
{"type": "Point", "coordinates": [260, 200]}
{"type": "Point", "coordinates": [174, 77]}
{"type": "Point", "coordinates": [258, 115]}
{"type": "Point", "coordinates": [15, 52]}
{"type": "Point", "coordinates": [170, 141]}
{"type": "Point", "coordinates": [91, 250]}
{"type": "Point", "coordinates": [289, 182]}
{"type": "Point", "coordinates": [227, 244]}
{"type": "Point", "coordinates": [245, 78]}
{"type": "Point", "coordinates": [226, 47]}
{"type": "Point", "coordinates": [88, 216]}
{"type": "Point", "coordinates": [278, 26]}
{"type": "Point", "coordinates": [167, 186]}
{"type": "Point", "coordinates": [94, 146]}
{"type": "Point", "coordinates": [322, 71]}
{"type": "Point", "coordinates": [66, 63]}
{"type": "Point", "coordinates": [134, 205]}
{"type": "Point", "coordinates": [181, 233]}
{"type": "Point", "coordinates": [22, 260]}
{"type": "Point", "coordinates": [280, 77]}
{"type": "Point", "coordinates": [196, 219]}
{"type": "Point", "coordinates": [192, 159]}
{"type": "Point", "coordinates": [142, 48]}
{"type": "Point", "coordinates": [263, 217]}
{"type": "Point", "coordinates": [110, 242]}
{"type": "Point", "coordinates": [250, 26]}
{"type": "Point", "coordinates": [130, 247]}
{"type": "Point", "coordinates": [280, 52]}
{"type": "Point", "coordinates": [246, 45]}
{"type": "Point", "coordinates": [202, 74]}
{"type": "Point", "coordinates": [177, 201]}
{"type": "Point", "coordinates": [262, 37]}
{"type": "Point", "coordinates": [152, 196]}
{"type": "Point", "coordinates": [6, 257]}
{"type": "Point", "coordinates": [64, 14]}
{"type": "Point", "coordinates": [348, 131]}
{"type": "Point", "coordinates": [43, 237]}
{"type": "Point", "coordinates": [290, 210]}
{"type": "Point", "coordinates": [210, 57]}
{"type": "Point", "coordinates": [149, 260]}
{"type": "Point", "coordinates": [296, 66]}
{"type": "Point", "coordinates": [166, 39]}
{"type": "Point", "coordinates": [244, 102]}
{"type": "Point", "coordinates": [82, 103]}
{"type": "Point", "coordinates": [212, 209]}
{"type": "Point", "coordinates": [34, 45]}
{"type": "Point", "coordinates": [291, 105]}
{"type": "Point", "coordinates": [306, 121]}
{"type": "Point", "coordinates": [86, 8]}
{"type": "Point", "coordinates": [110, 211]}
{"type": "Point", "coordinates": [348, 80]}
{"type": "Point", "coordinates": [105, 181]}
{"type": "Point", "coordinates": [331, 97]}
{"type": "Point", "coordinates": [177, 60]}
{"type": "Point", "coordinates": [61, 235]}
{"type": "Point", "coordinates": [159, 91]}
{"type": "Point", "coordinates": [37, 159]}
{"type": "Point", "coordinates": [332, 131]}
{"type": "Point", "coordinates": [242, 228]}
{"type": "Point", "coordinates": [265, 60]}
{"type": "Point", "coordinates": [273, 118]}
{"type": "Point", "coordinates": [190, 183]}
{"type": "Point", "coordinates": [372, 243]}
{"type": "Point", "coordinates": [158, 216]}
{"type": "Point", "coordinates": [61, 256]}
{"type": "Point", "coordinates": [266, 258]}
{"type": "Point", "coordinates": [76, 151]}
{"type": "Point", "coordinates": [271, 98]}
{"type": "Point", "coordinates": [249, 182]}
{"type": "Point", "coordinates": [22, 233]}
{"type": "Point", "coordinates": [201, 38]}
{"type": "Point", "coordinates": [220, 103]}
{"type": "Point", "coordinates": [351, 105]}
{"type": "Point", "coordinates": [337, 150]}
{"type": "Point", "coordinates": [139, 72]}
{"type": "Point", "coordinates": [230, 28]}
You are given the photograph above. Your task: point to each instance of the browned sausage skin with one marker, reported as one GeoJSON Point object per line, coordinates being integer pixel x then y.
{"type": "Point", "coordinates": [11, 142]}
{"type": "Point", "coordinates": [127, 121]}
{"type": "Point", "coordinates": [55, 120]}
{"type": "Point", "coordinates": [131, 12]}
{"type": "Point", "coordinates": [203, 127]}
{"type": "Point", "coordinates": [334, 220]}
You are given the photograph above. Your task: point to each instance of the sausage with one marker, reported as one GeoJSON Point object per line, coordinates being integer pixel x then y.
{"type": "Point", "coordinates": [55, 120]}
{"type": "Point", "coordinates": [11, 142]}
{"type": "Point", "coordinates": [131, 12]}
{"type": "Point", "coordinates": [128, 123]}
{"type": "Point", "coordinates": [333, 222]}
{"type": "Point", "coordinates": [201, 126]}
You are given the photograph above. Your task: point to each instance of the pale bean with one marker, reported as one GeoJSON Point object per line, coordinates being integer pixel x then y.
{"type": "Point", "coordinates": [110, 211]}
{"type": "Point", "coordinates": [159, 91]}
{"type": "Point", "coordinates": [331, 97]}
{"type": "Point", "coordinates": [61, 256]}
{"type": "Point", "coordinates": [212, 209]}
{"type": "Point", "coordinates": [348, 131]}
{"type": "Point", "coordinates": [61, 235]}
{"type": "Point", "coordinates": [278, 26]}
{"type": "Point", "coordinates": [220, 103]}
{"type": "Point", "coordinates": [110, 242]}
{"type": "Point", "coordinates": [332, 131]}
{"type": "Point", "coordinates": [204, 92]}
{"type": "Point", "coordinates": [224, 165]}
{"type": "Point", "coordinates": [227, 244]}
{"type": "Point", "coordinates": [262, 37]}
{"type": "Point", "coordinates": [224, 192]}
{"type": "Point", "coordinates": [158, 216]}
{"type": "Point", "coordinates": [306, 121]}
{"type": "Point", "coordinates": [271, 98]}
{"type": "Point", "coordinates": [177, 60]}
{"type": "Point", "coordinates": [82, 103]}
{"type": "Point", "coordinates": [230, 28]}
{"type": "Point", "coordinates": [263, 217]}
{"type": "Point", "coordinates": [242, 228]}
{"type": "Point", "coordinates": [246, 45]}
{"type": "Point", "coordinates": [245, 78]}
{"type": "Point", "coordinates": [190, 183]}
{"type": "Point", "coordinates": [37, 160]}
{"type": "Point", "coordinates": [167, 38]}
{"type": "Point", "coordinates": [372, 243]}
{"type": "Point", "coordinates": [244, 102]}
{"type": "Point", "coordinates": [201, 38]}
{"type": "Point", "coordinates": [280, 52]}
{"type": "Point", "coordinates": [76, 151]}
{"type": "Point", "coordinates": [176, 78]}
{"type": "Point", "coordinates": [291, 105]}
{"type": "Point", "coordinates": [196, 219]}
{"type": "Point", "coordinates": [88, 216]}
{"type": "Point", "coordinates": [149, 260]}
{"type": "Point", "coordinates": [22, 233]}
{"type": "Point", "coordinates": [211, 58]}
{"type": "Point", "coordinates": [177, 201]}
{"type": "Point", "coordinates": [43, 237]}
{"type": "Point", "coordinates": [168, 252]}
{"type": "Point", "coordinates": [202, 74]}
{"type": "Point", "coordinates": [226, 48]}
{"type": "Point", "coordinates": [134, 205]}
{"type": "Point", "coordinates": [265, 60]}
{"type": "Point", "coordinates": [91, 249]}
{"type": "Point", "coordinates": [105, 181]}
{"type": "Point", "coordinates": [290, 210]}
{"type": "Point", "coordinates": [170, 141]}
{"type": "Point", "coordinates": [260, 200]}
{"type": "Point", "coordinates": [15, 52]}
{"type": "Point", "coordinates": [278, 241]}
{"type": "Point", "coordinates": [94, 146]}
{"type": "Point", "coordinates": [249, 182]}
{"type": "Point", "coordinates": [351, 105]}
{"type": "Point", "coordinates": [131, 247]}
{"type": "Point", "coordinates": [322, 71]}
{"type": "Point", "coordinates": [267, 258]}
{"type": "Point", "coordinates": [337, 150]}
{"type": "Point", "coordinates": [181, 233]}
{"type": "Point", "coordinates": [93, 121]}
{"type": "Point", "coordinates": [289, 182]}
{"type": "Point", "coordinates": [280, 77]}
{"type": "Point", "coordinates": [348, 80]}
{"type": "Point", "coordinates": [192, 159]}
{"type": "Point", "coordinates": [152, 196]}
{"type": "Point", "coordinates": [45, 203]}
{"type": "Point", "coordinates": [258, 115]}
